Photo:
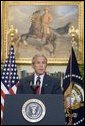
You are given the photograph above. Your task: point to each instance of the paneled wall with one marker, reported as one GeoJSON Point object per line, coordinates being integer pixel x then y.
{"type": "Point", "coordinates": [50, 69]}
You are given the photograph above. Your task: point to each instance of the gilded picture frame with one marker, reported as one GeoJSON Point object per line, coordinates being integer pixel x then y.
{"type": "Point", "coordinates": [58, 49]}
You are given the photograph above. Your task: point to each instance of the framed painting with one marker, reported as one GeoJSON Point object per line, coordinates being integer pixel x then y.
{"type": "Point", "coordinates": [43, 27]}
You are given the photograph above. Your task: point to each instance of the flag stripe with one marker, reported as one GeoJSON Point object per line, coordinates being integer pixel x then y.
{"type": "Point", "coordinates": [14, 88]}
{"type": "Point", "coordinates": [11, 91]}
{"type": "Point", "coordinates": [2, 94]}
{"type": "Point", "coordinates": [1, 114]}
{"type": "Point", "coordinates": [2, 99]}
{"type": "Point", "coordinates": [2, 107]}
{"type": "Point", "coordinates": [4, 88]}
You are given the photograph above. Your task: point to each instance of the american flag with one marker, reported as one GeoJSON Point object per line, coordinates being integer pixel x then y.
{"type": "Point", "coordinates": [9, 78]}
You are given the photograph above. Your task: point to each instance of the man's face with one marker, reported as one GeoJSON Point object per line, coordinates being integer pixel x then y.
{"type": "Point", "coordinates": [46, 10]}
{"type": "Point", "coordinates": [40, 65]}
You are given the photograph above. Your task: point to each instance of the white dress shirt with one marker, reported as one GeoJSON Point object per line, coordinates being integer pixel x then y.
{"type": "Point", "coordinates": [41, 79]}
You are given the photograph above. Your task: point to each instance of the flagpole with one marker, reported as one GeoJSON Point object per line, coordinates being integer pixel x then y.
{"type": "Point", "coordinates": [72, 33]}
{"type": "Point", "coordinates": [70, 110]}
{"type": "Point", "coordinates": [9, 77]}
{"type": "Point", "coordinates": [12, 32]}
{"type": "Point", "coordinates": [72, 85]}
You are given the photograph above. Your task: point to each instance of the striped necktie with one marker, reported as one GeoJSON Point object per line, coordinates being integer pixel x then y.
{"type": "Point", "coordinates": [37, 87]}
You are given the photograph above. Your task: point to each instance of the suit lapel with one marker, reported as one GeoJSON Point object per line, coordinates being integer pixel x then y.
{"type": "Point", "coordinates": [45, 84]}
{"type": "Point", "coordinates": [31, 80]}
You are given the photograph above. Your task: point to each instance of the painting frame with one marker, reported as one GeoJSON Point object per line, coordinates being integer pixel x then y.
{"type": "Point", "coordinates": [4, 29]}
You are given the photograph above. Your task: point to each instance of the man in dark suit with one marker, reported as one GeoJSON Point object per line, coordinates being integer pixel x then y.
{"type": "Point", "coordinates": [39, 80]}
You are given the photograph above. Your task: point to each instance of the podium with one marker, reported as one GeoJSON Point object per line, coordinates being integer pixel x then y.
{"type": "Point", "coordinates": [14, 105]}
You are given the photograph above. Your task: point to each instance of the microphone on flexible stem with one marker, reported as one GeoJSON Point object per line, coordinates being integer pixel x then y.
{"type": "Point", "coordinates": [34, 88]}
{"type": "Point", "coordinates": [32, 85]}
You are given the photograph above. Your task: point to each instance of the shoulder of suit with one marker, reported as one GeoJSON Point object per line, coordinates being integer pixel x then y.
{"type": "Point", "coordinates": [26, 78]}
{"type": "Point", "coordinates": [51, 77]}
{"type": "Point", "coordinates": [55, 79]}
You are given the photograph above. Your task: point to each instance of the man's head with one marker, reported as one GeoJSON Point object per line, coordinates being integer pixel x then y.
{"type": "Point", "coordinates": [46, 9]}
{"type": "Point", "coordinates": [39, 64]}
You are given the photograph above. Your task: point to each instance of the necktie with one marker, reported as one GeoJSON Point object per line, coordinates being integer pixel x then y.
{"type": "Point", "coordinates": [38, 81]}
{"type": "Point", "coordinates": [37, 87]}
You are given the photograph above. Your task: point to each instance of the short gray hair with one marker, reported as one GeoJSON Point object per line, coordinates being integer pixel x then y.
{"type": "Point", "coordinates": [38, 55]}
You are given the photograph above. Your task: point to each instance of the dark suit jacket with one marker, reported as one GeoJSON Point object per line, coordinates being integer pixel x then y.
{"type": "Point", "coordinates": [50, 85]}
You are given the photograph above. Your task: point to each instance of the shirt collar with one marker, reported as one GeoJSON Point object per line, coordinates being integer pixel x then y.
{"type": "Point", "coordinates": [41, 78]}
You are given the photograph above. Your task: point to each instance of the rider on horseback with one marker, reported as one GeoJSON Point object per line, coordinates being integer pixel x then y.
{"type": "Point", "coordinates": [46, 19]}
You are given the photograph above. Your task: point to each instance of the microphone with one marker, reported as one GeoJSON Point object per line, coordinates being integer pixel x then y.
{"type": "Point", "coordinates": [35, 88]}
{"type": "Point", "coordinates": [32, 85]}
